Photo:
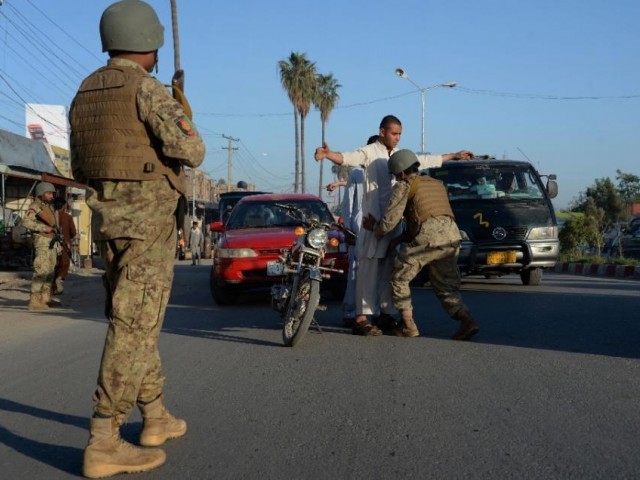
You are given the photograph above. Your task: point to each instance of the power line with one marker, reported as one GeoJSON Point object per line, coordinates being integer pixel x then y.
{"type": "Point", "coordinates": [27, 104]}
{"type": "Point", "coordinates": [38, 31]}
{"type": "Point", "coordinates": [65, 32]}
{"type": "Point", "coordinates": [529, 96]}
{"type": "Point", "coordinates": [525, 96]}
{"type": "Point", "coordinates": [39, 50]}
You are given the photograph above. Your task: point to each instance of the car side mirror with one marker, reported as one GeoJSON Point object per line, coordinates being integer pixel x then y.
{"type": "Point", "coordinates": [552, 188]}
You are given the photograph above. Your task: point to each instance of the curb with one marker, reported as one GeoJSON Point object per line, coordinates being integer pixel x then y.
{"type": "Point", "coordinates": [601, 269]}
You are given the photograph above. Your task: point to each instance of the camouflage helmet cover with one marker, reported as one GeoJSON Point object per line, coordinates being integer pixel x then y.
{"type": "Point", "coordinates": [44, 187]}
{"type": "Point", "coordinates": [401, 160]}
{"type": "Point", "coordinates": [131, 26]}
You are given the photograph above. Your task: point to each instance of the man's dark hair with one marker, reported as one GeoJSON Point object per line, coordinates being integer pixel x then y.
{"type": "Point", "coordinates": [373, 139]}
{"type": "Point", "coordinates": [390, 120]}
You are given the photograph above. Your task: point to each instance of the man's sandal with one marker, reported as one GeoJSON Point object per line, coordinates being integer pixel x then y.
{"type": "Point", "coordinates": [366, 329]}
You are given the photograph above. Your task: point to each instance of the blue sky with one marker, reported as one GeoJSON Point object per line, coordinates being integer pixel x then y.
{"type": "Point", "coordinates": [555, 81]}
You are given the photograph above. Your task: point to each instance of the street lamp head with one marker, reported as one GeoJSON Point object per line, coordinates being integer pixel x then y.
{"type": "Point", "coordinates": [449, 84]}
{"type": "Point", "coordinates": [401, 73]}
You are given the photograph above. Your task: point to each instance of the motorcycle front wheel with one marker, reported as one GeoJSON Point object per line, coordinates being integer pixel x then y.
{"type": "Point", "coordinates": [302, 307]}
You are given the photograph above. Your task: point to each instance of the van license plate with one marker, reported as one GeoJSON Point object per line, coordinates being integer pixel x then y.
{"type": "Point", "coordinates": [494, 258]}
{"type": "Point", "coordinates": [275, 269]}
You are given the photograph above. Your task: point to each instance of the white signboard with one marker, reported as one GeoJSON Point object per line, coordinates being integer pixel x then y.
{"type": "Point", "coordinates": [47, 123]}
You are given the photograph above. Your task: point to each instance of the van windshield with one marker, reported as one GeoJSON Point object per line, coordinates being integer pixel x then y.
{"type": "Point", "coordinates": [489, 182]}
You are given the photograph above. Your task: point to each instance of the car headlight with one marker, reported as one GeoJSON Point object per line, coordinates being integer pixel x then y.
{"type": "Point", "coordinates": [543, 233]}
{"type": "Point", "coordinates": [464, 236]}
{"type": "Point", "coordinates": [235, 253]}
{"type": "Point", "coordinates": [317, 237]}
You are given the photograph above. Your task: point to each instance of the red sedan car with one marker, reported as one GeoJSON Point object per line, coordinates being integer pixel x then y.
{"type": "Point", "coordinates": [256, 233]}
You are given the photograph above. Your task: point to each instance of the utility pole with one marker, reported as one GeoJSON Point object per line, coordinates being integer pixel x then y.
{"type": "Point", "coordinates": [229, 149]}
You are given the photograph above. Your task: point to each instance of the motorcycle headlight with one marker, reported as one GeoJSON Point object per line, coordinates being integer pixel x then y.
{"type": "Point", "coordinates": [317, 237]}
{"type": "Point", "coordinates": [543, 233]}
{"type": "Point", "coordinates": [235, 253]}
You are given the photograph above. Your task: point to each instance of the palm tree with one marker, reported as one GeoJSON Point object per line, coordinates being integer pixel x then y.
{"type": "Point", "coordinates": [325, 100]}
{"type": "Point", "coordinates": [298, 78]}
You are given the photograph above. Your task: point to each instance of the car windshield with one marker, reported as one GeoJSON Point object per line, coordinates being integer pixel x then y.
{"type": "Point", "coordinates": [267, 214]}
{"type": "Point", "coordinates": [487, 182]}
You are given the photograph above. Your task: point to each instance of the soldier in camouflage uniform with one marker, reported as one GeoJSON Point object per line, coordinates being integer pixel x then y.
{"type": "Point", "coordinates": [129, 142]}
{"type": "Point", "coordinates": [41, 220]}
{"type": "Point", "coordinates": [431, 239]}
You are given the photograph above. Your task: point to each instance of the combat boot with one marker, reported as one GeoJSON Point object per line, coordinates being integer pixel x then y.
{"type": "Point", "coordinates": [408, 328]}
{"type": "Point", "coordinates": [107, 454]}
{"type": "Point", "coordinates": [36, 303]}
{"type": "Point", "coordinates": [158, 425]}
{"type": "Point", "coordinates": [468, 326]}
{"type": "Point", "coordinates": [48, 300]}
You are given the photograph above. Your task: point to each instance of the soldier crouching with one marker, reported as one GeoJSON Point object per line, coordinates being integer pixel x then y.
{"type": "Point", "coordinates": [431, 239]}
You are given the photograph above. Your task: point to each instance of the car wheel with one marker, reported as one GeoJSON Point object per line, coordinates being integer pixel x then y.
{"type": "Point", "coordinates": [531, 276]}
{"type": "Point", "coordinates": [221, 295]}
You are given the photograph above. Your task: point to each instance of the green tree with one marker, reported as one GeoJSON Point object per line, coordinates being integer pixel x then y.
{"type": "Point", "coordinates": [595, 225]}
{"type": "Point", "coordinates": [604, 195]}
{"type": "Point", "coordinates": [572, 235]}
{"type": "Point", "coordinates": [298, 78]}
{"type": "Point", "coordinates": [325, 101]}
{"type": "Point", "coordinates": [628, 186]}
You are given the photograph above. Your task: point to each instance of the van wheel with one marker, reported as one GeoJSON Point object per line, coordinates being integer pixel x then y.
{"type": "Point", "coordinates": [531, 276]}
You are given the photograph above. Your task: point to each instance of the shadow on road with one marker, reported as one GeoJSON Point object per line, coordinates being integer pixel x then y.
{"type": "Point", "coordinates": [565, 313]}
{"type": "Point", "coordinates": [63, 458]}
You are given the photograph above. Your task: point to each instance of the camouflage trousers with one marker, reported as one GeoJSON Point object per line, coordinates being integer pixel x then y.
{"type": "Point", "coordinates": [138, 277]}
{"type": "Point", "coordinates": [44, 265]}
{"type": "Point", "coordinates": [430, 249]}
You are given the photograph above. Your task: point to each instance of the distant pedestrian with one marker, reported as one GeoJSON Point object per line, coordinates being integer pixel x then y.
{"type": "Point", "coordinates": [69, 232]}
{"type": "Point", "coordinates": [41, 221]}
{"type": "Point", "coordinates": [196, 240]}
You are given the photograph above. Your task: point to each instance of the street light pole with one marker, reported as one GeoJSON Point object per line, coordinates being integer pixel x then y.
{"type": "Point", "coordinates": [423, 91]}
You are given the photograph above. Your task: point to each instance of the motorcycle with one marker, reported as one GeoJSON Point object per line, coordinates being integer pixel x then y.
{"type": "Point", "coordinates": [297, 297]}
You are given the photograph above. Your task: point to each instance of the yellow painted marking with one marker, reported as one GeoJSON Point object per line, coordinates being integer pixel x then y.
{"type": "Point", "coordinates": [480, 221]}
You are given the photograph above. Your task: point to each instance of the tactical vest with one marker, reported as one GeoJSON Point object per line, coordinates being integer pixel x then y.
{"type": "Point", "coordinates": [427, 198]}
{"type": "Point", "coordinates": [44, 215]}
{"type": "Point", "coordinates": [109, 141]}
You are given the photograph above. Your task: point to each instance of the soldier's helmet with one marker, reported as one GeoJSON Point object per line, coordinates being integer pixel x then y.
{"type": "Point", "coordinates": [401, 160]}
{"type": "Point", "coordinates": [44, 187]}
{"type": "Point", "coordinates": [131, 26]}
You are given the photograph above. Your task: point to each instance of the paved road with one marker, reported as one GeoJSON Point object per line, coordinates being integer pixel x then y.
{"type": "Point", "coordinates": [549, 389]}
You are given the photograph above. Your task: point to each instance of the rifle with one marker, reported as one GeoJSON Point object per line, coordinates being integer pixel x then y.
{"type": "Point", "coordinates": [177, 82]}
{"type": "Point", "coordinates": [177, 87]}
{"type": "Point", "coordinates": [58, 237]}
